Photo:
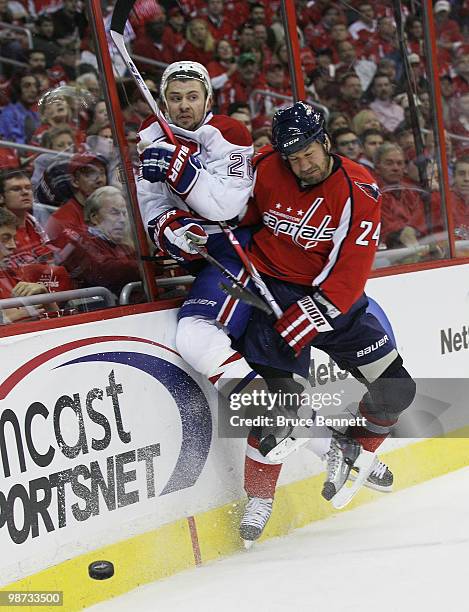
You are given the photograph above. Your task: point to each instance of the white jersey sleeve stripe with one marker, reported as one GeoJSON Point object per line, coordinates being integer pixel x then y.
{"type": "Point", "coordinates": [339, 236]}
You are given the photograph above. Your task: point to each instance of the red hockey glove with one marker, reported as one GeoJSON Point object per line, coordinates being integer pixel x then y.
{"type": "Point", "coordinates": [174, 230]}
{"type": "Point", "coordinates": [300, 323]}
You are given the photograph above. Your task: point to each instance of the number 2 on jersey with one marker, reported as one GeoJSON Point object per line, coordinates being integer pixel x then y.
{"type": "Point", "coordinates": [237, 167]}
{"type": "Point", "coordinates": [367, 226]}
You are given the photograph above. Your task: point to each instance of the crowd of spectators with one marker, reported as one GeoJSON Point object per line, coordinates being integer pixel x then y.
{"type": "Point", "coordinates": [66, 197]}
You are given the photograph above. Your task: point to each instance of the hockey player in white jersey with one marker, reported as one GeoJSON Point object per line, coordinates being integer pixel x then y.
{"type": "Point", "coordinates": [209, 170]}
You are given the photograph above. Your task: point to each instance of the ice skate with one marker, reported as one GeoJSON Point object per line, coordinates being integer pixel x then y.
{"type": "Point", "coordinates": [340, 459]}
{"type": "Point", "coordinates": [380, 479]}
{"type": "Point", "coordinates": [255, 517]}
{"type": "Point", "coordinates": [344, 454]}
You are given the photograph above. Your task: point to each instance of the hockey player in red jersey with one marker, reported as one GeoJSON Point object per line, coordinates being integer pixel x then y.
{"type": "Point", "coordinates": [321, 224]}
{"type": "Point", "coordinates": [214, 181]}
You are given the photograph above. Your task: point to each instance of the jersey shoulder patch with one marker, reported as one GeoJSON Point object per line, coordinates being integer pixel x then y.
{"type": "Point", "coordinates": [232, 130]}
{"type": "Point", "coordinates": [369, 189]}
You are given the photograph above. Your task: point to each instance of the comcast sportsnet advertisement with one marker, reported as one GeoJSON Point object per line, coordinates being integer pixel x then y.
{"type": "Point", "coordinates": [88, 430]}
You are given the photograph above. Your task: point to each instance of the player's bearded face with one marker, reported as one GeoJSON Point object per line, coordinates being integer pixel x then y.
{"type": "Point", "coordinates": [186, 103]}
{"type": "Point", "coordinates": [312, 165]}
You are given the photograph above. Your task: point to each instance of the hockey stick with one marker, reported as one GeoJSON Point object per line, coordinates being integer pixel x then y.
{"type": "Point", "coordinates": [251, 270]}
{"type": "Point", "coordinates": [239, 291]}
{"type": "Point", "coordinates": [119, 18]}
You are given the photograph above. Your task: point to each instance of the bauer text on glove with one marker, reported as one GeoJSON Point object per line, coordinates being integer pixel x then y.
{"type": "Point", "coordinates": [172, 164]}
{"type": "Point", "coordinates": [300, 323]}
{"type": "Point", "coordinates": [174, 230]}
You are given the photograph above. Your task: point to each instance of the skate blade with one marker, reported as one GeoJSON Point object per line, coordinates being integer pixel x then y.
{"type": "Point", "coordinates": [285, 448]}
{"type": "Point", "coordinates": [365, 462]}
{"type": "Point", "coordinates": [248, 544]}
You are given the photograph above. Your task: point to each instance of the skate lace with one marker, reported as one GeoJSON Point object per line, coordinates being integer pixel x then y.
{"type": "Point", "coordinates": [380, 470]}
{"type": "Point", "coordinates": [257, 512]}
{"type": "Point", "coordinates": [333, 462]}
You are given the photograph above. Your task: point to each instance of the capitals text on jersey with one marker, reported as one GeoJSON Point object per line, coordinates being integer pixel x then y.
{"type": "Point", "coordinates": [304, 235]}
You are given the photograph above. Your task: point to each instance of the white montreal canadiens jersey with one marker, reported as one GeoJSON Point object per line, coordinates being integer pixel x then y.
{"type": "Point", "coordinates": [223, 186]}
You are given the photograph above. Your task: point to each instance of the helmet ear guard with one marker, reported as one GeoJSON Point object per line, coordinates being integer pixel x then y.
{"type": "Point", "coordinates": [297, 126]}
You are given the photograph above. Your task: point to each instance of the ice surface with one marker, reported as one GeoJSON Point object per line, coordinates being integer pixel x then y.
{"type": "Point", "coordinates": [407, 551]}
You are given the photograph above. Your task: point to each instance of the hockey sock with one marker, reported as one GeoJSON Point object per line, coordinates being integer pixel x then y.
{"type": "Point", "coordinates": [373, 433]}
{"type": "Point", "coordinates": [260, 475]}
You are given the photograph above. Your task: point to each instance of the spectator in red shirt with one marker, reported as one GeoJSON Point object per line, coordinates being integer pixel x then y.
{"type": "Point", "coordinates": [100, 255]}
{"type": "Point", "coordinates": [245, 80]}
{"type": "Point", "coordinates": [8, 159]}
{"type": "Point", "coordinates": [175, 30]}
{"type": "Point", "coordinates": [200, 45]}
{"type": "Point", "coordinates": [223, 65]}
{"type": "Point", "coordinates": [384, 42]}
{"type": "Point", "coordinates": [365, 25]}
{"type": "Point", "coordinates": [351, 94]}
{"type": "Point", "coordinates": [402, 211]}
{"type": "Point", "coordinates": [21, 281]}
{"type": "Point", "coordinates": [246, 38]}
{"type": "Point", "coordinates": [317, 32]}
{"type": "Point", "coordinates": [460, 199]}
{"type": "Point", "coordinates": [153, 40]}
{"type": "Point", "coordinates": [448, 33]}
{"type": "Point", "coordinates": [460, 122]}
{"type": "Point", "coordinates": [415, 37]}
{"type": "Point", "coordinates": [88, 172]}
{"type": "Point", "coordinates": [16, 195]}
{"type": "Point", "coordinates": [275, 77]}
{"type": "Point", "coordinates": [338, 34]}
{"type": "Point", "coordinates": [220, 26]}
{"type": "Point", "coordinates": [461, 66]}
{"type": "Point", "coordinates": [54, 112]}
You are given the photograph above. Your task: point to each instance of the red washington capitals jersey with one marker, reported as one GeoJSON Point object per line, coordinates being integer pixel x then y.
{"type": "Point", "coordinates": [324, 235]}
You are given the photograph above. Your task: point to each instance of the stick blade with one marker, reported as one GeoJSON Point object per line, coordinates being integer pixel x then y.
{"type": "Point", "coordinates": [246, 296]}
{"type": "Point", "coordinates": [120, 15]}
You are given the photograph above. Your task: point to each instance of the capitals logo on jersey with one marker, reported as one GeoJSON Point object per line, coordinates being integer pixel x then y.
{"type": "Point", "coordinates": [371, 190]}
{"type": "Point", "coordinates": [304, 235]}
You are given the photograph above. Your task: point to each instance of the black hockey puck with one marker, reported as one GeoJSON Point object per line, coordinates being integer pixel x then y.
{"type": "Point", "coordinates": [101, 570]}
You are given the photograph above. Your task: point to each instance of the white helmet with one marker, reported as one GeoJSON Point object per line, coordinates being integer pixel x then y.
{"type": "Point", "coordinates": [186, 70]}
